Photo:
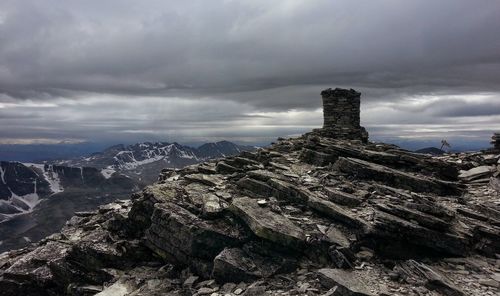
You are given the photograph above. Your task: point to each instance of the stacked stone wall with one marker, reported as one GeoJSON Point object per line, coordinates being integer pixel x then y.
{"type": "Point", "coordinates": [496, 141]}
{"type": "Point", "coordinates": [341, 108]}
{"type": "Point", "coordinates": [341, 114]}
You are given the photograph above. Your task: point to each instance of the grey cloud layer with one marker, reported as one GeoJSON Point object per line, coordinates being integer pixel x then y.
{"type": "Point", "coordinates": [257, 57]}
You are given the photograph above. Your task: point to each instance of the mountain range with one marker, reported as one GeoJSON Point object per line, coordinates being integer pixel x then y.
{"type": "Point", "coordinates": [143, 161]}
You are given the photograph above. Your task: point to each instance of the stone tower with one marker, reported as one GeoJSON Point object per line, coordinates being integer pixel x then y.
{"type": "Point", "coordinates": [495, 140]}
{"type": "Point", "coordinates": [341, 113]}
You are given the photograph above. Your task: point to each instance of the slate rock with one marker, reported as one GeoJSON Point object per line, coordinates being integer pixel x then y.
{"type": "Point", "coordinates": [366, 170]}
{"type": "Point", "coordinates": [180, 236]}
{"type": "Point", "coordinates": [234, 265]}
{"type": "Point", "coordinates": [346, 282]}
{"type": "Point", "coordinates": [412, 270]}
{"type": "Point", "coordinates": [268, 225]}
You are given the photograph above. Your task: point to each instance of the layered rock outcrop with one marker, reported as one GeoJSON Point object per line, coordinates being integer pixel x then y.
{"type": "Point", "coordinates": [312, 215]}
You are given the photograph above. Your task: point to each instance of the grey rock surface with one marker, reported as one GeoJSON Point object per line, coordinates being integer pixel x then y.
{"type": "Point", "coordinates": [312, 215]}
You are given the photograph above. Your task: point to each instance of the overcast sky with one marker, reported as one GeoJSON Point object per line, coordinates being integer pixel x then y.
{"type": "Point", "coordinates": [194, 71]}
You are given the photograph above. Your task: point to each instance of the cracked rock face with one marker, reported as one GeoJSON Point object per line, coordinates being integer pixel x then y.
{"type": "Point", "coordinates": [307, 216]}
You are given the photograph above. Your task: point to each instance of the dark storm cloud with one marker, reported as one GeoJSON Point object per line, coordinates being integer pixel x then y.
{"type": "Point", "coordinates": [214, 47]}
{"type": "Point", "coordinates": [109, 66]}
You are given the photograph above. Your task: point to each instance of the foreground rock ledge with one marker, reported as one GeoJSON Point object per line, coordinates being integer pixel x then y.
{"type": "Point", "coordinates": [307, 216]}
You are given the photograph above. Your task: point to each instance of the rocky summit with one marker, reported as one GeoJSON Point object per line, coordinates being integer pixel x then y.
{"type": "Point", "coordinates": [321, 214]}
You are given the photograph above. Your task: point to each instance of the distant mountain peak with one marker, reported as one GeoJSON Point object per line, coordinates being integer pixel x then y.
{"type": "Point", "coordinates": [144, 160]}
{"type": "Point", "coordinates": [24, 185]}
{"type": "Point", "coordinates": [431, 150]}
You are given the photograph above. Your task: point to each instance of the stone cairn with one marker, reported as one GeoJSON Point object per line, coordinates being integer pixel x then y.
{"type": "Point", "coordinates": [341, 112]}
{"type": "Point", "coordinates": [495, 140]}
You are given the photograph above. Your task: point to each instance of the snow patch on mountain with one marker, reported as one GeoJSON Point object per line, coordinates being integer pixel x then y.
{"type": "Point", "coordinates": [187, 154]}
{"type": "Point", "coordinates": [19, 205]}
{"type": "Point", "coordinates": [50, 176]}
{"type": "Point", "coordinates": [2, 173]}
{"type": "Point", "coordinates": [31, 200]}
{"type": "Point", "coordinates": [130, 165]}
{"type": "Point", "coordinates": [107, 172]}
